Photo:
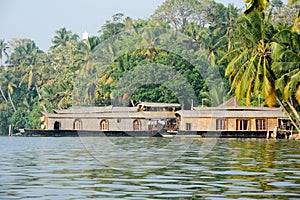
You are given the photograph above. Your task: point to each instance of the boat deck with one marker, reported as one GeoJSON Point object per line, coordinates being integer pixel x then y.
{"type": "Point", "coordinates": [203, 134]}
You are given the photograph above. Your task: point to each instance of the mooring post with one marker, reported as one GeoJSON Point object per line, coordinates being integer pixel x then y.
{"type": "Point", "coordinates": [275, 132]}
{"type": "Point", "coordinates": [268, 134]}
{"type": "Point", "coordinates": [10, 130]}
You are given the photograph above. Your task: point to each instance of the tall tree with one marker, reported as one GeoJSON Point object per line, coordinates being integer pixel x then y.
{"type": "Point", "coordinates": [63, 36]}
{"type": "Point", "coordinates": [258, 5]}
{"type": "Point", "coordinates": [27, 57]}
{"type": "Point", "coordinates": [8, 83]}
{"type": "Point", "coordinates": [180, 13]}
{"type": "Point", "coordinates": [249, 67]}
{"type": "Point", "coordinates": [286, 65]}
{"type": "Point", "coordinates": [88, 70]}
{"type": "Point", "coordinates": [112, 27]}
{"type": "Point", "coordinates": [262, 69]}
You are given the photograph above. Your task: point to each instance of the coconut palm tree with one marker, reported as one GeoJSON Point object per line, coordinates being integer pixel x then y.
{"type": "Point", "coordinates": [286, 55]}
{"type": "Point", "coordinates": [286, 65]}
{"type": "Point", "coordinates": [63, 36]}
{"type": "Point", "coordinates": [258, 5]}
{"type": "Point", "coordinates": [250, 62]}
{"type": "Point", "coordinates": [85, 53]}
{"type": "Point", "coordinates": [249, 67]}
{"type": "Point", "coordinates": [28, 57]}
{"type": "Point", "coordinates": [7, 81]}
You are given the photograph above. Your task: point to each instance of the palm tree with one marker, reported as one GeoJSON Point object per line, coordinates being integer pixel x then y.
{"type": "Point", "coordinates": [249, 67]}
{"type": "Point", "coordinates": [28, 57]}
{"type": "Point", "coordinates": [27, 62]}
{"type": "Point", "coordinates": [250, 62]}
{"type": "Point", "coordinates": [7, 81]}
{"type": "Point", "coordinates": [85, 53]}
{"type": "Point", "coordinates": [150, 39]}
{"type": "Point", "coordinates": [286, 65]}
{"type": "Point", "coordinates": [87, 75]}
{"type": "Point", "coordinates": [286, 54]}
{"type": "Point", "coordinates": [215, 96]}
{"type": "Point", "coordinates": [258, 5]}
{"type": "Point", "coordinates": [289, 82]}
{"type": "Point", "coordinates": [63, 36]}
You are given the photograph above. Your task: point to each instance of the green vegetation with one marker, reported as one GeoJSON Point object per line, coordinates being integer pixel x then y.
{"type": "Point", "coordinates": [200, 51]}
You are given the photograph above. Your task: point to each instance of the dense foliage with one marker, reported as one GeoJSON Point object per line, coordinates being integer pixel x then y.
{"type": "Point", "coordinates": [191, 52]}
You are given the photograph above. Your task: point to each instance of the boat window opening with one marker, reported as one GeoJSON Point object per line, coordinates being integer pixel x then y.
{"type": "Point", "coordinates": [260, 124]}
{"type": "Point", "coordinates": [77, 125]}
{"type": "Point", "coordinates": [152, 125]}
{"type": "Point", "coordinates": [188, 126]}
{"type": "Point", "coordinates": [221, 124]}
{"type": "Point", "coordinates": [136, 125]}
{"type": "Point", "coordinates": [104, 125]}
{"type": "Point", "coordinates": [242, 124]}
{"type": "Point", "coordinates": [56, 125]}
{"type": "Point", "coordinates": [284, 124]}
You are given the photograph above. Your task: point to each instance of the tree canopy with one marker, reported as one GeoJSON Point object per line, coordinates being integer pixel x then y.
{"type": "Point", "coordinates": [187, 52]}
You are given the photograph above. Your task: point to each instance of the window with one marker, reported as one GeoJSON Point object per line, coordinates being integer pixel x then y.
{"type": "Point", "coordinates": [221, 124]}
{"type": "Point", "coordinates": [188, 126]}
{"type": "Point", "coordinates": [136, 125]}
{"type": "Point", "coordinates": [242, 124]}
{"type": "Point", "coordinates": [260, 124]}
{"type": "Point", "coordinates": [118, 120]}
{"type": "Point", "coordinates": [77, 125]}
{"type": "Point", "coordinates": [284, 124]}
{"type": "Point", "coordinates": [104, 125]}
{"type": "Point", "coordinates": [56, 125]}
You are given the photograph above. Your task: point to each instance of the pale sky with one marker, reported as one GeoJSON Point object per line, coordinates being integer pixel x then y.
{"type": "Point", "coordinates": [39, 19]}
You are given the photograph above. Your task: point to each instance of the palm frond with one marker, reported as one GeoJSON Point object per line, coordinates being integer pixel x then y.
{"type": "Point", "coordinates": [297, 94]}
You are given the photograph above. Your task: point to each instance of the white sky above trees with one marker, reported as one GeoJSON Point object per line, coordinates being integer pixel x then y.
{"type": "Point", "coordinates": [38, 20]}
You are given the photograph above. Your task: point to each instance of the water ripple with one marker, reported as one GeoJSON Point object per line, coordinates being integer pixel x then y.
{"type": "Point", "coordinates": [62, 168]}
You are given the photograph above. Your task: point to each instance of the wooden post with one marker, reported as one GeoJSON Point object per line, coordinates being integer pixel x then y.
{"type": "Point", "coordinates": [291, 136]}
{"type": "Point", "coordinates": [10, 130]}
{"type": "Point", "coordinates": [275, 132]}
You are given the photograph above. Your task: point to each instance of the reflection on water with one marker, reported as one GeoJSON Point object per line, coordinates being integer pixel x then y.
{"type": "Point", "coordinates": [62, 168]}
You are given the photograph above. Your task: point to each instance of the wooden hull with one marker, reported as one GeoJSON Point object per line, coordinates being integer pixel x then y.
{"type": "Point", "coordinates": [163, 133]}
{"type": "Point", "coordinates": [87, 133]}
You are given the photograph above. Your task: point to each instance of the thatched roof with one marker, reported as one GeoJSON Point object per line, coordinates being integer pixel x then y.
{"type": "Point", "coordinates": [230, 102]}
{"type": "Point", "coordinates": [233, 112]}
{"type": "Point", "coordinates": [110, 114]}
{"type": "Point", "coordinates": [159, 105]}
{"type": "Point", "coordinates": [79, 110]}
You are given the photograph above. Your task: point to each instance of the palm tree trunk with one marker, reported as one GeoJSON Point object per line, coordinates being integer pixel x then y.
{"type": "Point", "coordinates": [288, 114]}
{"type": "Point", "coordinates": [294, 111]}
{"type": "Point", "coordinates": [11, 102]}
{"type": "Point", "coordinates": [2, 93]}
{"type": "Point", "coordinates": [40, 97]}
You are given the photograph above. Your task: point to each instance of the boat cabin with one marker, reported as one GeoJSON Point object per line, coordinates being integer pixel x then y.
{"type": "Point", "coordinates": [156, 116]}
{"type": "Point", "coordinates": [144, 117]}
{"type": "Point", "coordinates": [230, 119]}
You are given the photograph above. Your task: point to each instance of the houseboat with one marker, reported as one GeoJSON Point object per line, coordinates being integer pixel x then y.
{"type": "Point", "coordinates": [147, 119]}
{"type": "Point", "coordinates": [162, 119]}
{"type": "Point", "coordinates": [231, 120]}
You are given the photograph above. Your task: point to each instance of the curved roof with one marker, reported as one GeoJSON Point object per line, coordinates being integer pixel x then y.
{"type": "Point", "coordinates": [233, 112]}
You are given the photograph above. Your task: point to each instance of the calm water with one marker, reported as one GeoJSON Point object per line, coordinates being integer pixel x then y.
{"type": "Point", "coordinates": [143, 168]}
